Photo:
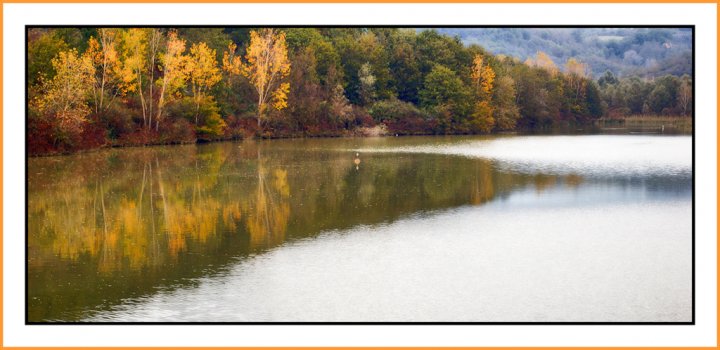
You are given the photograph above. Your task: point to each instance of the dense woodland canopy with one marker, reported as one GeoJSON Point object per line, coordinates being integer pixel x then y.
{"type": "Point", "coordinates": [93, 87]}
{"type": "Point", "coordinates": [645, 52]}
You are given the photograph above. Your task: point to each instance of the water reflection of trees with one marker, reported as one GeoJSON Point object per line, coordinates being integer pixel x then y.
{"type": "Point", "coordinates": [269, 210]}
{"type": "Point", "coordinates": [134, 218]}
{"type": "Point", "coordinates": [136, 211]}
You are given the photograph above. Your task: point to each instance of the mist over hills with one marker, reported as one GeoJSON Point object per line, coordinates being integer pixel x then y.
{"type": "Point", "coordinates": [644, 52]}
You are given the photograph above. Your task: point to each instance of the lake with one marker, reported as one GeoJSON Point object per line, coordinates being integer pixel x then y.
{"type": "Point", "coordinates": [588, 228]}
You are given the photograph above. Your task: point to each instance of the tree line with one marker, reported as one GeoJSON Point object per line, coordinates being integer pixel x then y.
{"type": "Point", "coordinates": [92, 87]}
{"type": "Point", "coordinates": [646, 52]}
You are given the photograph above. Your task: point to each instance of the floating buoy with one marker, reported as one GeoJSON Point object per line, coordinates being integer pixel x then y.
{"type": "Point", "coordinates": [357, 161]}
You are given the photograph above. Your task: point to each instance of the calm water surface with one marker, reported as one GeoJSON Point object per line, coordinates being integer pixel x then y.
{"type": "Point", "coordinates": [513, 228]}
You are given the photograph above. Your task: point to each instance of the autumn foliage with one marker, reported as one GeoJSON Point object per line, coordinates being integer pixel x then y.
{"type": "Point", "coordinates": [93, 87]}
{"type": "Point", "coordinates": [266, 67]}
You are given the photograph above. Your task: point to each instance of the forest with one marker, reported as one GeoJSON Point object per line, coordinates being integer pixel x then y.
{"type": "Point", "coordinates": [100, 87]}
{"type": "Point", "coordinates": [644, 52]}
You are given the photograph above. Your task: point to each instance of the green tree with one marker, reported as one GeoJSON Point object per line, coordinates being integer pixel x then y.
{"type": "Point", "coordinates": [595, 105]}
{"type": "Point", "coordinates": [406, 79]}
{"type": "Point", "coordinates": [506, 111]}
{"type": "Point", "coordinates": [608, 78]}
{"type": "Point", "coordinates": [367, 85]}
{"type": "Point", "coordinates": [659, 99]}
{"type": "Point", "coordinates": [444, 89]}
{"type": "Point", "coordinates": [434, 48]}
{"type": "Point", "coordinates": [306, 97]}
{"type": "Point", "coordinates": [357, 48]}
{"type": "Point", "coordinates": [215, 38]}
{"type": "Point", "coordinates": [635, 91]}
{"type": "Point", "coordinates": [42, 47]}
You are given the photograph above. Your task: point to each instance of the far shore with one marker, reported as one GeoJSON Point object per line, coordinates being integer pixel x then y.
{"type": "Point", "coordinates": [680, 124]}
{"type": "Point", "coordinates": [647, 123]}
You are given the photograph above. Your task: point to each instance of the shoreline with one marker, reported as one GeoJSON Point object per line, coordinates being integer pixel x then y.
{"type": "Point", "coordinates": [679, 124]}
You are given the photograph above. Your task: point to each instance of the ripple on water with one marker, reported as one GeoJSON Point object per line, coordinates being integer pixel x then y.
{"type": "Point", "coordinates": [600, 155]}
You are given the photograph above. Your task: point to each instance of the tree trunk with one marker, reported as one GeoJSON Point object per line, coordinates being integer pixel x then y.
{"type": "Point", "coordinates": [161, 101]}
{"type": "Point", "coordinates": [142, 100]}
{"type": "Point", "coordinates": [259, 116]}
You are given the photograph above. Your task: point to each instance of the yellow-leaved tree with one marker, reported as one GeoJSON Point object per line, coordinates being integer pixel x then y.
{"type": "Point", "coordinates": [108, 70]}
{"type": "Point", "coordinates": [203, 73]}
{"type": "Point", "coordinates": [266, 67]}
{"type": "Point", "coordinates": [134, 64]}
{"type": "Point", "coordinates": [542, 60]}
{"type": "Point", "coordinates": [140, 48]}
{"type": "Point", "coordinates": [576, 74]}
{"type": "Point", "coordinates": [483, 77]}
{"type": "Point", "coordinates": [64, 97]}
{"type": "Point", "coordinates": [173, 65]}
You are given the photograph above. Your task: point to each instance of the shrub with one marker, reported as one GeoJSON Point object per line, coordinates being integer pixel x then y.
{"type": "Point", "coordinates": [204, 119]}
{"type": "Point", "coordinates": [39, 136]}
{"type": "Point", "coordinates": [361, 117]}
{"type": "Point", "coordinates": [118, 120]}
{"type": "Point", "coordinates": [211, 125]}
{"type": "Point", "coordinates": [392, 110]}
{"type": "Point", "coordinates": [177, 131]}
{"type": "Point", "coordinates": [482, 119]}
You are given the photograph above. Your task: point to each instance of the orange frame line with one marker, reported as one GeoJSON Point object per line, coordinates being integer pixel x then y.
{"type": "Point", "coordinates": [365, 1]}
{"type": "Point", "coordinates": [2, 183]}
{"type": "Point", "coordinates": [367, 348]}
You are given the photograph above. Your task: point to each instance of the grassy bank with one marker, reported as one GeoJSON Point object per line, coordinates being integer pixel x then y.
{"type": "Point", "coordinates": [649, 123]}
{"type": "Point", "coordinates": [148, 139]}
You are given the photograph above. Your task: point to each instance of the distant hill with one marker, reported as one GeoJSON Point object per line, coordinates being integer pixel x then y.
{"type": "Point", "coordinates": [647, 52]}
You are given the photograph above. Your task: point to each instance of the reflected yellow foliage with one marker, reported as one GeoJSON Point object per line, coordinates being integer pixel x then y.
{"type": "Point", "coordinates": [483, 188]}
{"type": "Point", "coordinates": [269, 210]}
{"type": "Point", "coordinates": [137, 209]}
{"type": "Point", "coordinates": [574, 180]}
{"type": "Point", "coordinates": [280, 182]}
{"type": "Point", "coordinates": [72, 244]}
{"type": "Point", "coordinates": [153, 214]}
{"type": "Point", "coordinates": [231, 215]}
{"type": "Point", "coordinates": [134, 239]}
{"type": "Point", "coordinates": [72, 221]}
{"type": "Point", "coordinates": [543, 182]}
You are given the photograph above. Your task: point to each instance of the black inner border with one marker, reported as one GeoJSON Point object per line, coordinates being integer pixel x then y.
{"type": "Point", "coordinates": [422, 26]}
